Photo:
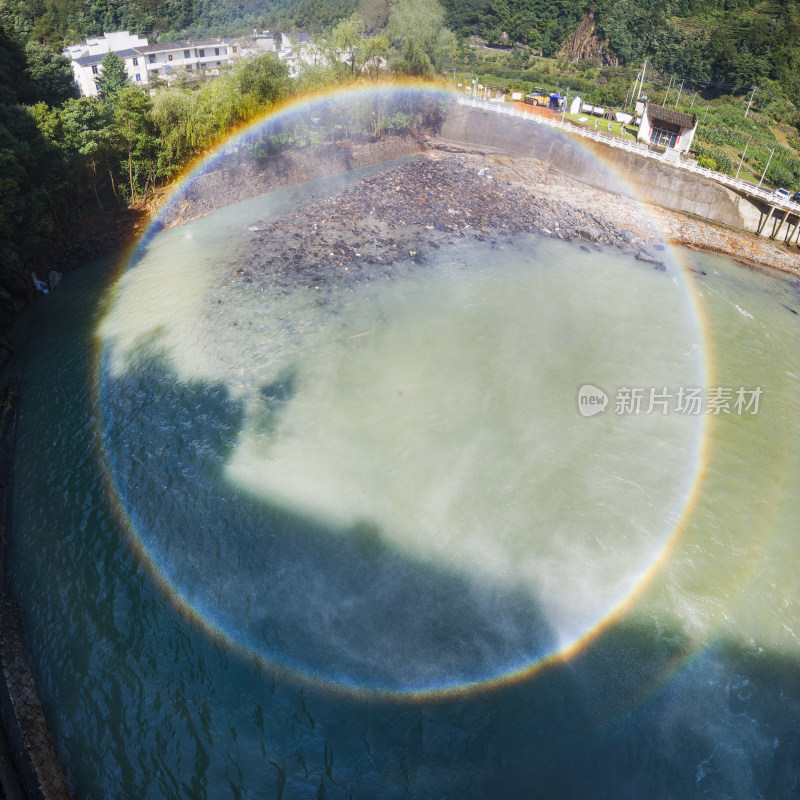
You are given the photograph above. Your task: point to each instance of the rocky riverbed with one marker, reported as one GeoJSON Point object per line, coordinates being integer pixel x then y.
{"type": "Point", "coordinates": [406, 213]}
{"type": "Point", "coordinates": [650, 223]}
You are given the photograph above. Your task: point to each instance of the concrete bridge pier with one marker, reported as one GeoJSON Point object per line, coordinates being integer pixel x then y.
{"type": "Point", "coordinates": [780, 224]}
{"type": "Point", "coordinates": [771, 222]}
{"type": "Point", "coordinates": [793, 230]}
{"type": "Point", "coordinates": [764, 218]}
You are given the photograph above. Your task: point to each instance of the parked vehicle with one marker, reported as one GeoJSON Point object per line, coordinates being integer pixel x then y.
{"type": "Point", "coordinates": [796, 197]}
{"type": "Point", "coordinates": [538, 97]}
{"type": "Point", "coordinates": [783, 194]}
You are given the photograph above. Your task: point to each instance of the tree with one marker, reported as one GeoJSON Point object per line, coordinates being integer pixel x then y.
{"type": "Point", "coordinates": [86, 137]}
{"type": "Point", "coordinates": [45, 32]}
{"type": "Point", "coordinates": [262, 79]}
{"type": "Point", "coordinates": [175, 113]}
{"type": "Point", "coordinates": [375, 14]}
{"type": "Point", "coordinates": [420, 37]}
{"type": "Point", "coordinates": [31, 178]}
{"type": "Point", "coordinates": [344, 41]}
{"type": "Point", "coordinates": [350, 51]}
{"type": "Point", "coordinates": [113, 76]}
{"type": "Point", "coordinates": [50, 73]}
{"type": "Point", "coordinates": [140, 146]}
{"type": "Point", "coordinates": [12, 65]}
{"type": "Point", "coordinates": [369, 54]}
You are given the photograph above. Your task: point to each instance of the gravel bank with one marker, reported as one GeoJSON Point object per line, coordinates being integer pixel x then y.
{"type": "Point", "coordinates": [407, 212]}
{"type": "Point", "coordinates": [650, 223]}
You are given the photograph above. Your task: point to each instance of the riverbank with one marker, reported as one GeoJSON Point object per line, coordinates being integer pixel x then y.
{"type": "Point", "coordinates": [29, 764]}
{"type": "Point", "coordinates": [407, 212]}
{"type": "Point", "coordinates": [558, 196]}
{"type": "Point", "coordinates": [651, 222]}
{"type": "Point", "coordinates": [410, 210]}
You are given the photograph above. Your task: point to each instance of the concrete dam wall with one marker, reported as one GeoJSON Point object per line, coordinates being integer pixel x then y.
{"type": "Point", "coordinates": [607, 168]}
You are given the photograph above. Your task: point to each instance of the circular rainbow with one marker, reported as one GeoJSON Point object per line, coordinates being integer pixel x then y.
{"type": "Point", "coordinates": [173, 594]}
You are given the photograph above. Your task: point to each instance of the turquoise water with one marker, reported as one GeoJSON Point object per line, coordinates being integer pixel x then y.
{"type": "Point", "coordinates": [329, 553]}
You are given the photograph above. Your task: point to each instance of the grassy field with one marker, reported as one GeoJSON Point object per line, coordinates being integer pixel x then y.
{"type": "Point", "coordinates": [603, 125]}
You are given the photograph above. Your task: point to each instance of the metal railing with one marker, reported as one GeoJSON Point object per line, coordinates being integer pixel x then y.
{"type": "Point", "coordinates": [639, 149]}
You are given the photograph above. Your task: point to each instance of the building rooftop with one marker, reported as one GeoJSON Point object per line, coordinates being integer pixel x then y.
{"type": "Point", "coordinates": [212, 42]}
{"type": "Point", "coordinates": [163, 47]}
{"type": "Point", "coordinates": [300, 36]}
{"type": "Point", "coordinates": [671, 115]}
{"type": "Point", "coordinates": [87, 61]}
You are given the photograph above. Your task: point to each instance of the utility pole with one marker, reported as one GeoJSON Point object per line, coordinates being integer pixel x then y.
{"type": "Point", "coordinates": [693, 99]}
{"type": "Point", "coordinates": [765, 168]}
{"type": "Point", "coordinates": [564, 110]}
{"type": "Point", "coordinates": [751, 101]}
{"type": "Point", "coordinates": [666, 94]}
{"type": "Point", "coordinates": [704, 115]}
{"type": "Point", "coordinates": [742, 159]}
{"type": "Point", "coordinates": [679, 94]}
{"type": "Point", "coordinates": [641, 85]}
{"type": "Point", "coordinates": [633, 93]}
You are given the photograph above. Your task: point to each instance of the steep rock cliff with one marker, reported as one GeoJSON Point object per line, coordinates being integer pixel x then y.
{"type": "Point", "coordinates": [585, 43]}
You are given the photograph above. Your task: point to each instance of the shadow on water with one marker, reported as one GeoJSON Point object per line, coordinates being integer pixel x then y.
{"type": "Point", "coordinates": [142, 706]}
{"type": "Point", "coordinates": [644, 713]}
{"type": "Point", "coordinates": [339, 604]}
{"type": "Point", "coordinates": [641, 711]}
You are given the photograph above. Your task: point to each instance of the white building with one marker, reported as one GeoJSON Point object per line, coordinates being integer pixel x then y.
{"type": "Point", "coordinates": [115, 41]}
{"type": "Point", "coordinates": [87, 69]}
{"type": "Point", "coordinates": [163, 59]}
{"type": "Point", "coordinates": [258, 43]}
{"type": "Point", "coordinates": [289, 47]}
{"type": "Point", "coordinates": [87, 57]}
{"type": "Point", "coordinates": [667, 127]}
{"type": "Point", "coordinates": [144, 61]}
{"type": "Point", "coordinates": [296, 48]}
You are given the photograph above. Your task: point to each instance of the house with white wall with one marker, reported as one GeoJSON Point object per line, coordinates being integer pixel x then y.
{"type": "Point", "coordinates": [258, 43]}
{"type": "Point", "coordinates": [87, 69]}
{"type": "Point", "coordinates": [667, 127]}
{"type": "Point", "coordinates": [297, 48]}
{"type": "Point", "coordinates": [206, 54]}
{"type": "Point", "coordinates": [115, 41]}
{"type": "Point", "coordinates": [145, 61]}
{"type": "Point", "coordinates": [87, 58]}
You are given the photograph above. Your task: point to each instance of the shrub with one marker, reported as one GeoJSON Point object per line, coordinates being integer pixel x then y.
{"type": "Point", "coordinates": [720, 158]}
{"type": "Point", "coordinates": [778, 175]}
{"type": "Point", "coordinates": [706, 161]}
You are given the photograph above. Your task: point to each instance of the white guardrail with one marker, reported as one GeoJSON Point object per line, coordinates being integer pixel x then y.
{"type": "Point", "coordinates": [635, 147]}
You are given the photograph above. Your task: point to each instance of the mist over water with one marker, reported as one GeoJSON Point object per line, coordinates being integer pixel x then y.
{"type": "Point", "coordinates": [421, 431]}
{"type": "Point", "coordinates": [263, 554]}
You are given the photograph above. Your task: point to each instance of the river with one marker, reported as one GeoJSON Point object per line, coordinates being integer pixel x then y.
{"type": "Point", "coordinates": [372, 540]}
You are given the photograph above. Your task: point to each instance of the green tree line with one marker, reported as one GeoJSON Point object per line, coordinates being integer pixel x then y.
{"type": "Point", "coordinates": [64, 157]}
{"type": "Point", "coordinates": [725, 43]}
